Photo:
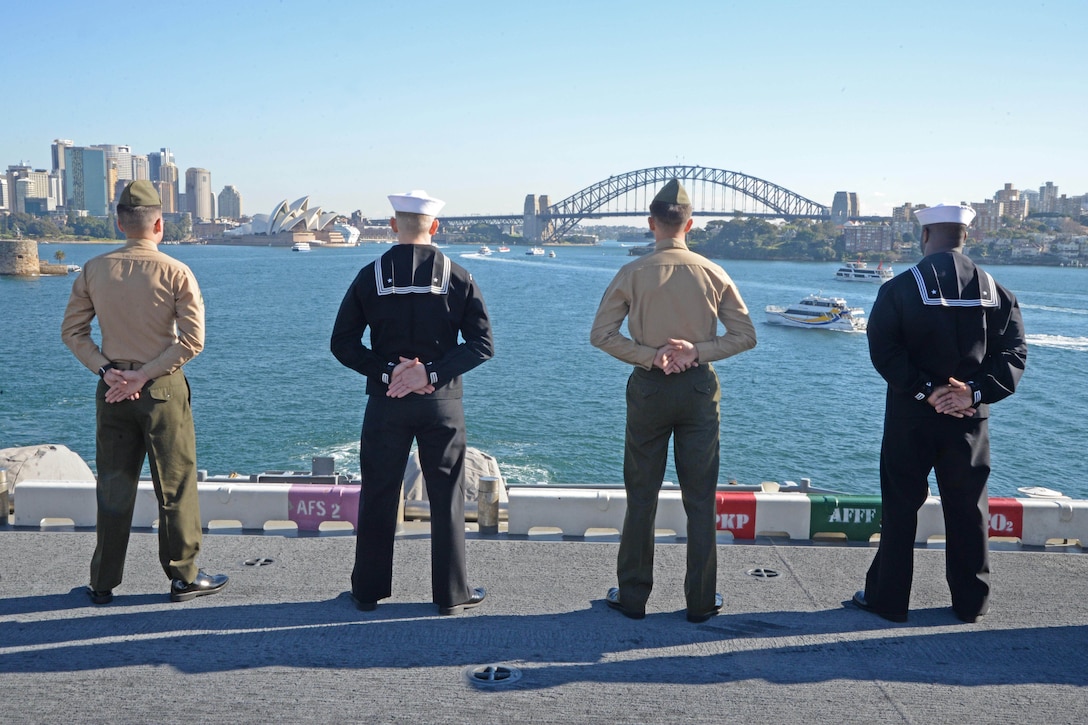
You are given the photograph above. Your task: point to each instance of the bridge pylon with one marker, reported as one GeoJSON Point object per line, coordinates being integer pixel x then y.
{"type": "Point", "coordinates": [535, 226]}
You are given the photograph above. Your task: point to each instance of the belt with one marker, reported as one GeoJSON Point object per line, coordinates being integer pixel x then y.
{"type": "Point", "coordinates": [126, 365]}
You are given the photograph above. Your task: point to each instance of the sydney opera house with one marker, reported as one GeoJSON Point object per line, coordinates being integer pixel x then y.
{"type": "Point", "coordinates": [289, 224]}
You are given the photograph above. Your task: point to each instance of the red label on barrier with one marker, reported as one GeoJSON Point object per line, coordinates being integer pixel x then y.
{"type": "Point", "coordinates": [1006, 517]}
{"type": "Point", "coordinates": [310, 505]}
{"type": "Point", "coordinates": [737, 513]}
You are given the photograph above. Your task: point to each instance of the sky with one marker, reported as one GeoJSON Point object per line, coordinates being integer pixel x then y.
{"type": "Point", "coordinates": [480, 103]}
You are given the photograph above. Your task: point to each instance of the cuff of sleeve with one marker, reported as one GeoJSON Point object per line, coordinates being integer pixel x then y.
{"type": "Point", "coordinates": [432, 376]}
{"type": "Point", "coordinates": [976, 394]}
{"type": "Point", "coordinates": [387, 375]}
{"type": "Point", "coordinates": [924, 392]}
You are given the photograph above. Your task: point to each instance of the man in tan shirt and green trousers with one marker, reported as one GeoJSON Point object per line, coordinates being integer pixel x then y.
{"type": "Point", "coordinates": [151, 316]}
{"type": "Point", "coordinates": [673, 300]}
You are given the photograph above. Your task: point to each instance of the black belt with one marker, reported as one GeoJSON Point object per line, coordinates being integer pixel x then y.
{"type": "Point", "coordinates": [126, 365]}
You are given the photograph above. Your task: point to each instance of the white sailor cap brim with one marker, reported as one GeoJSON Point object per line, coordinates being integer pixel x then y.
{"type": "Point", "coordinates": [945, 214]}
{"type": "Point", "coordinates": [416, 201]}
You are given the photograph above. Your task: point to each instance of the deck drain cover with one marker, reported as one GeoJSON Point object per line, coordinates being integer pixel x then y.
{"type": "Point", "coordinates": [762, 573]}
{"type": "Point", "coordinates": [259, 561]}
{"type": "Point", "coordinates": [493, 675]}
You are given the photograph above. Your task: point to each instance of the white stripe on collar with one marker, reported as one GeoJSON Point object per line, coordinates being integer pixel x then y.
{"type": "Point", "coordinates": [440, 284]}
{"type": "Point", "coordinates": [987, 289]}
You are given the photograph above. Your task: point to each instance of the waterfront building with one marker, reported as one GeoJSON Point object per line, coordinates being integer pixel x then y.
{"type": "Point", "coordinates": [14, 173]}
{"type": "Point", "coordinates": [168, 188]}
{"type": "Point", "coordinates": [844, 206]}
{"type": "Point", "coordinates": [200, 200]}
{"type": "Point", "coordinates": [4, 205]}
{"type": "Point", "coordinates": [859, 237]}
{"type": "Point", "coordinates": [287, 224]}
{"type": "Point", "coordinates": [230, 203]}
{"type": "Point", "coordinates": [86, 179]}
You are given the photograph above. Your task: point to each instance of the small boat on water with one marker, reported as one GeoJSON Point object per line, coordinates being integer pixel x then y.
{"type": "Point", "coordinates": [485, 250]}
{"type": "Point", "coordinates": [536, 251]}
{"type": "Point", "coordinates": [503, 248]}
{"type": "Point", "coordinates": [821, 313]}
{"type": "Point", "coordinates": [551, 252]}
{"type": "Point", "coordinates": [300, 247]}
{"type": "Point", "coordinates": [861, 272]}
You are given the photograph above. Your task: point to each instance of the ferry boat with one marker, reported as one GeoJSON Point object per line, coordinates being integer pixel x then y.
{"type": "Point", "coordinates": [536, 251]}
{"type": "Point", "coordinates": [860, 272]}
{"type": "Point", "coordinates": [820, 313]}
{"type": "Point", "coordinates": [485, 250]}
{"type": "Point", "coordinates": [300, 247]}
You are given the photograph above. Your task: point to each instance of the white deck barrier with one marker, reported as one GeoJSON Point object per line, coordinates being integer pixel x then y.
{"type": "Point", "coordinates": [571, 510]}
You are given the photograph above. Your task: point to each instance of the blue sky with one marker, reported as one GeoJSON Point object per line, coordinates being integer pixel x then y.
{"type": "Point", "coordinates": [481, 103]}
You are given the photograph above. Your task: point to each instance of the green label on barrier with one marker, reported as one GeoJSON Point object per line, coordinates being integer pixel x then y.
{"type": "Point", "coordinates": [858, 517]}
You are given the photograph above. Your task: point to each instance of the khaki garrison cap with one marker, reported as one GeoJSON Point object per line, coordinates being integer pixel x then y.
{"type": "Point", "coordinates": [140, 193]}
{"type": "Point", "coordinates": [673, 193]}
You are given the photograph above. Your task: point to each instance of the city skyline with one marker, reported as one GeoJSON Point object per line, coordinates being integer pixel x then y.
{"type": "Point", "coordinates": [483, 105]}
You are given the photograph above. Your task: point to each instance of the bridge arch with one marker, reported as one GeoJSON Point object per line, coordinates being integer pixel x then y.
{"type": "Point", "coordinates": [566, 214]}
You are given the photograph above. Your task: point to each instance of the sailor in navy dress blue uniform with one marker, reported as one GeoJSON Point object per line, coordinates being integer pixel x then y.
{"type": "Point", "coordinates": [949, 341]}
{"type": "Point", "coordinates": [416, 302]}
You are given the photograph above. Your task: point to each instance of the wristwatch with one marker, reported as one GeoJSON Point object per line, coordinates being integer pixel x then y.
{"type": "Point", "coordinates": [102, 370]}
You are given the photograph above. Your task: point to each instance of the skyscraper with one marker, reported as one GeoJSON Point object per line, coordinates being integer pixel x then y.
{"type": "Point", "coordinates": [59, 144]}
{"type": "Point", "coordinates": [155, 161]}
{"type": "Point", "coordinates": [168, 187]}
{"type": "Point", "coordinates": [85, 180]}
{"type": "Point", "coordinates": [230, 203]}
{"type": "Point", "coordinates": [120, 157]}
{"type": "Point", "coordinates": [198, 192]}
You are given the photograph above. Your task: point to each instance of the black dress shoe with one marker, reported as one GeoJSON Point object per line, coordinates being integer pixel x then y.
{"type": "Point", "coordinates": [612, 599]}
{"type": "Point", "coordinates": [861, 602]}
{"type": "Point", "coordinates": [698, 617]}
{"type": "Point", "coordinates": [478, 595]}
{"type": "Point", "coordinates": [100, 597]}
{"type": "Point", "coordinates": [363, 606]}
{"type": "Point", "coordinates": [203, 585]}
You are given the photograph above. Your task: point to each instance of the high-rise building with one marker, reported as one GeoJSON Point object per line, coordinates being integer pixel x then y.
{"type": "Point", "coordinates": [5, 204]}
{"type": "Point", "coordinates": [16, 172]}
{"type": "Point", "coordinates": [140, 168]}
{"type": "Point", "coordinates": [119, 157]}
{"type": "Point", "coordinates": [230, 203]}
{"type": "Point", "coordinates": [155, 161]}
{"type": "Point", "coordinates": [1048, 198]}
{"type": "Point", "coordinates": [198, 192]}
{"type": "Point", "coordinates": [168, 188]}
{"type": "Point", "coordinates": [86, 179]}
{"type": "Point", "coordinates": [59, 144]}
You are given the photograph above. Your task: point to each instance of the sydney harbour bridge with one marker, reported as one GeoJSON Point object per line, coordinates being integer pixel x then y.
{"type": "Point", "coordinates": [713, 192]}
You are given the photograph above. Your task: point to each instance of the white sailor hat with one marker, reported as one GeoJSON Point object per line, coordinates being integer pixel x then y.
{"type": "Point", "coordinates": [416, 201]}
{"type": "Point", "coordinates": [945, 214]}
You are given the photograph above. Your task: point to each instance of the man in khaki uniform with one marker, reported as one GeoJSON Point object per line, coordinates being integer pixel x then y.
{"type": "Point", "coordinates": [151, 317]}
{"type": "Point", "coordinates": [673, 300]}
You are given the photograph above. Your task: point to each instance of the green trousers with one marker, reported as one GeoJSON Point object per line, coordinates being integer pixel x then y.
{"type": "Point", "coordinates": [685, 407]}
{"type": "Point", "coordinates": [159, 425]}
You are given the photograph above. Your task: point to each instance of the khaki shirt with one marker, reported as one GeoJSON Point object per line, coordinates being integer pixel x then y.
{"type": "Point", "coordinates": [672, 293]}
{"type": "Point", "coordinates": [149, 310]}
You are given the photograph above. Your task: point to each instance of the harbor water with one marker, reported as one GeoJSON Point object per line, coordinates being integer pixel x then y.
{"type": "Point", "coordinates": [268, 395]}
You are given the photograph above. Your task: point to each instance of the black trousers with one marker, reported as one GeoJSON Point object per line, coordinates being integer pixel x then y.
{"type": "Point", "coordinates": [958, 451]}
{"type": "Point", "coordinates": [390, 425]}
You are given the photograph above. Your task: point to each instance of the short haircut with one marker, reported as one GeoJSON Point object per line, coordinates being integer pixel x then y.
{"type": "Point", "coordinates": [137, 219]}
{"type": "Point", "coordinates": [670, 216]}
{"type": "Point", "coordinates": [414, 224]}
{"type": "Point", "coordinates": [947, 230]}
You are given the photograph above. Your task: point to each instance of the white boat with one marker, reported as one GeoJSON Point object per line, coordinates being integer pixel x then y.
{"type": "Point", "coordinates": [504, 248]}
{"type": "Point", "coordinates": [860, 272]}
{"type": "Point", "coordinates": [536, 251]}
{"type": "Point", "coordinates": [485, 250]}
{"type": "Point", "coordinates": [551, 252]}
{"type": "Point", "coordinates": [819, 313]}
{"type": "Point", "coordinates": [300, 247]}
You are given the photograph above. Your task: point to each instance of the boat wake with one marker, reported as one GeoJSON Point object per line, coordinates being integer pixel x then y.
{"type": "Point", "coordinates": [1052, 308]}
{"type": "Point", "coordinates": [1062, 342]}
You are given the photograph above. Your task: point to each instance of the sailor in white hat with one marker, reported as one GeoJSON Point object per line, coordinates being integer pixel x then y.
{"type": "Point", "coordinates": [428, 326]}
{"type": "Point", "coordinates": [949, 341]}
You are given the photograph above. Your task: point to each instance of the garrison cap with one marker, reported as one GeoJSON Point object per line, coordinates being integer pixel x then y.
{"type": "Point", "coordinates": [945, 214]}
{"type": "Point", "coordinates": [673, 193]}
{"type": "Point", "coordinates": [416, 201]}
{"type": "Point", "coordinates": [140, 193]}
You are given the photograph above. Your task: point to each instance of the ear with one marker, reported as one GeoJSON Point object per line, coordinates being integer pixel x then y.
{"type": "Point", "coordinates": [653, 226]}
{"type": "Point", "coordinates": [158, 225]}
{"type": "Point", "coordinates": [434, 227]}
{"type": "Point", "coordinates": [393, 223]}
{"type": "Point", "coordinates": [687, 228]}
